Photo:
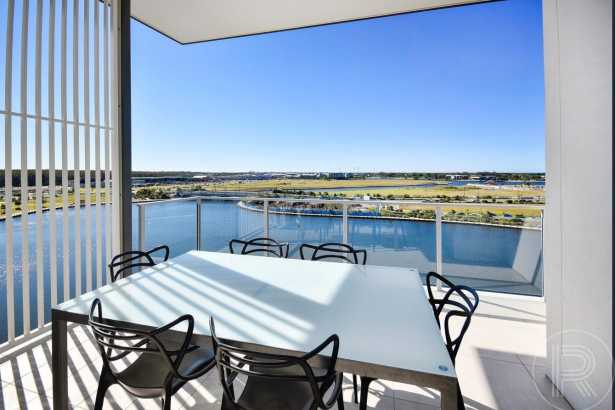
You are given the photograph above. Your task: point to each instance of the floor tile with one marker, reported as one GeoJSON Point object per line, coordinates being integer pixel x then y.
{"type": "Point", "coordinates": [546, 389]}
{"type": "Point", "coordinates": [410, 405]}
{"type": "Point", "coordinates": [508, 387]}
{"type": "Point", "coordinates": [416, 394]}
{"type": "Point", "coordinates": [151, 404]}
{"type": "Point", "coordinates": [38, 381]}
{"type": "Point", "coordinates": [13, 397]}
{"type": "Point", "coordinates": [206, 390]}
{"type": "Point", "coordinates": [530, 361]}
{"type": "Point", "coordinates": [40, 403]}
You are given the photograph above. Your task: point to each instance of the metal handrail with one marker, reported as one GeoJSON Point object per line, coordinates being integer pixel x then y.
{"type": "Point", "coordinates": [344, 202]}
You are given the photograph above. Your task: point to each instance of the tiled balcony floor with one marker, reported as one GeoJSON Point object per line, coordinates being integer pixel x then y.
{"type": "Point", "coordinates": [501, 365]}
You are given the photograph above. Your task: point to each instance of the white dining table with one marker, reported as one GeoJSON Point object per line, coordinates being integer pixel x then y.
{"type": "Point", "coordinates": [381, 314]}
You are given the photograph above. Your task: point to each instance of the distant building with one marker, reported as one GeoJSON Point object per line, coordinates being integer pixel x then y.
{"type": "Point", "coordinates": [308, 175]}
{"type": "Point", "coordinates": [339, 175]}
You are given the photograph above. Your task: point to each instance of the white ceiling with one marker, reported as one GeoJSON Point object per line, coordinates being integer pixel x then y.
{"type": "Point", "coordinates": [189, 21]}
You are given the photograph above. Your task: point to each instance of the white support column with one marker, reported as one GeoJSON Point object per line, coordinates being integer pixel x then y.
{"type": "Point", "coordinates": [8, 171]}
{"type": "Point", "coordinates": [53, 263]}
{"type": "Point", "coordinates": [87, 146]}
{"type": "Point", "coordinates": [64, 116]}
{"type": "Point", "coordinates": [578, 230]}
{"type": "Point", "coordinates": [97, 151]}
{"type": "Point", "coordinates": [76, 153]}
{"type": "Point", "coordinates": [116, 143]}
{"type": "Point", "coordinates": [25, 245]}
{"type": "Point", "coordinates": [38, 154]}
{"type": "Point", "coordinates": [122, 195]}
{"type": "Point", "coordinates": [108, 133]}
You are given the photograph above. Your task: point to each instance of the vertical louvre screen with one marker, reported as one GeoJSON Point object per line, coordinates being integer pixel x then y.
{"type": "Point", "coordinates": [57, 118]}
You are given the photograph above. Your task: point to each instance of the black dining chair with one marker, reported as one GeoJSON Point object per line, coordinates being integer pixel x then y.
{"type": "Point", "coordinates": [123, 264]}
{"type": "Point", "coordinates": [158, 370]}
{"type": "Point", "coordinates": [457, 305]}
{"type": "Point", "coordinates": [277, 382]}
{"type": "Point", "coordinates": [260, 245]}
{"type": "Point", "coordinates": [332, 250]}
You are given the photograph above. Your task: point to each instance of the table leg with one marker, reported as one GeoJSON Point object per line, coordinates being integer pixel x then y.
{"type": "Point", "coordinates": [365, 381]}
{"type": "Point", "coordinates": [450, 398]}
{"type": "Point", "coordinates": [59, 364]}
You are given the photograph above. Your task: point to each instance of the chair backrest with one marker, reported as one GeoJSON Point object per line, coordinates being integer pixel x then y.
{"type": "Point", "coordinates": [466, 294]}
{"type": "Point", "coordinates": [430, 280]}
{"type": "Point", "coordinates": [117, 342]}
{"type": "Point", "coordinates": [457, 309]}
{"type": "Point", "coordinates": [458, 305]}
{"type": "Point", "coordinates": [339, 251]}
{"type": "Point", "coordinates": [260, 245]}
{"type": "Point", "coordinates": [124, 263]}
{"type": "Point", "coordinates": [232, 361]}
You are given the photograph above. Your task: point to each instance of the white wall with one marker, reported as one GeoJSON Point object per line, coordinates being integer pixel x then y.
{"type": "Point", "coordinates": [578, 218]}
{"type": "Point", "coordinates": [527, 256]}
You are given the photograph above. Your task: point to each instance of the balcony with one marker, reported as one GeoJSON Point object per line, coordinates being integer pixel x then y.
{"type": "Point", "coordinates": [58, 249]}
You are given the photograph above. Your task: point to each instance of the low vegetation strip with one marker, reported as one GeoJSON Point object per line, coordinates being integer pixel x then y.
{"type": "Point", "coordinates": [296, 184]}
{"type": "Point", "coordinates": [452, 192]}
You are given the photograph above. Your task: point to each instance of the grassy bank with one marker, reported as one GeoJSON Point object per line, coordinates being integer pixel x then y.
{"type": "Point", "coordinates": [456, 193]}
{"type": "Point", "coordinates": [299, 184]}
{"type": "Point", "coordinates": [48, 203]}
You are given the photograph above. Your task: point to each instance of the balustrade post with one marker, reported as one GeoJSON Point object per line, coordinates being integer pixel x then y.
{"type": "Point", "coordinates": [439, 245]}
{"type": "Point", "coordinates": [345, 223]}
{"type": "Point", "coordinates": [266, 219]}
{"type": "Point", "coordinates": [199, 233]}
{"type": "Point", "coordinates": [141, 227]}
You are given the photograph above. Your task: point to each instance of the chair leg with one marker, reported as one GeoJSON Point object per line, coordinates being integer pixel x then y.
{"type": "Point", "coordinates": [365, 381]}
{"type": "Point", "coordinates": [166, 402]}
{"type": "Point", "coordinates": [354, 388]}
{"type": "Point", "coordinates": [460, 404]}
{"type": "Point", "coordinates": [340, 402]}
{"type": "Point", "coordinates": [104, 382]}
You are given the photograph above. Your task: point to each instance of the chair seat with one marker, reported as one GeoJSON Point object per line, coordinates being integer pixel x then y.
{"type": "Point", "coordinates": [262, 393]}
{"type": "Point", "coordinates": [146, 376]}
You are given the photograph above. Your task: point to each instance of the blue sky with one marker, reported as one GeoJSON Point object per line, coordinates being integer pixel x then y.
{"type": "Point", "coordinates": [458, 89]}
{"type": "Point", "coordinates": [446, 90]}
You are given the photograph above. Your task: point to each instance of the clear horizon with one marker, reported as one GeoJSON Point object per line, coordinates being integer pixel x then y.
{"type": "Point", "coordinates": [328, 171]}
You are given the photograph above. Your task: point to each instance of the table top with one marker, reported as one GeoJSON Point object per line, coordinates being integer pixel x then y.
{"type": "Point", "coordinates": [381, 314]}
